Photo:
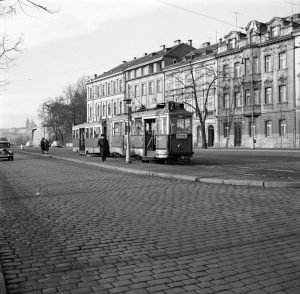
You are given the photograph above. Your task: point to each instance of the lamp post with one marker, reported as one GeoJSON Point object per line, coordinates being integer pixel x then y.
{"type": "Point", "coordinates": [128, 155]}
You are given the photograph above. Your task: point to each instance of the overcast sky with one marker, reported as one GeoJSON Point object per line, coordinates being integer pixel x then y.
{"type": "Point", "coordinates": [86, 37]}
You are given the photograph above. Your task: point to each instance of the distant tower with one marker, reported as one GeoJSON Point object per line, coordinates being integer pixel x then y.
{"type": "Point", "coordinates": [27, 123]}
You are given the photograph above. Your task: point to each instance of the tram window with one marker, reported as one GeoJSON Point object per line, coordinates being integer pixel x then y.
{"type": "Point", "coordinates": [91, 132]}
{"type": "Point", "coordinates": [73, 134]}
{"type": "Point", "coordinates": [182, 125]}
{"type": "Point", "coordinates": [116, 129]}
{"type": "Point", "coordinates": [77, 134]}
{"type": "Point", "coordinates": [162, 127]}
{"type": "Point", "coordinates": [96, 132]}
{"type": "Point", "coordinates": [137, 127]}
{"type": "Point", "coordinates": [87, 133]}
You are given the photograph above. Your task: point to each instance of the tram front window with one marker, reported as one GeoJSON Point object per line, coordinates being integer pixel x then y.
{"type": "Point", "coordinates": [181, 125]}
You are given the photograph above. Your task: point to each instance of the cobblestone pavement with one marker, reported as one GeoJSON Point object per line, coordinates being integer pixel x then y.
{"type": "Point", "coordinates": [71, 228]}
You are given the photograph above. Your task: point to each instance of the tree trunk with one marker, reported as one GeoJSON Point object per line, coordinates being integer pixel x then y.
{"type": "Point", "coordinates": [203, 136]}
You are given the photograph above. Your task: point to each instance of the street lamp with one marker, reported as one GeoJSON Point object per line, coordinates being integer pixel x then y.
{"type": "Point", "coordinates": [128, 155]}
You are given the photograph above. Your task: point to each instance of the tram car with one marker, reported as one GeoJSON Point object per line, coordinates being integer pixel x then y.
{"type": "Point", "coordinates": [163, 133]}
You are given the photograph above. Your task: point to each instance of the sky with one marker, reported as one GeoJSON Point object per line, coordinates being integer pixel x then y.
{"type": "Point", "coordinates": [86, 37]}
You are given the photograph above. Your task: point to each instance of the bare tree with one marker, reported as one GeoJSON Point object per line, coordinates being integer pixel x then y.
{"type": "Point", "coordinates": [10, 49]}
{"type": "Point", "coordinates": [192, 82]}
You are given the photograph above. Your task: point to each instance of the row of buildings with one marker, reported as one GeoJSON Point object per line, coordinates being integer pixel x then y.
{"type": "Point", "coordinates": [247, 86]}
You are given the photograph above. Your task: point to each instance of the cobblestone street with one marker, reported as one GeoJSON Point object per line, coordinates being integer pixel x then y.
{"type": "Point", "coordinates": [71, 228]}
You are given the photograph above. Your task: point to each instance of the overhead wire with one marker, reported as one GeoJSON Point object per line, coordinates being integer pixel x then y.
{"type": "Point", "coordinates": [198, 13]}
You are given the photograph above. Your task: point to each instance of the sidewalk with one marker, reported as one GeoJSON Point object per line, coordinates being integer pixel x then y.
{"type": "Point", "coordinates": [257, 168]}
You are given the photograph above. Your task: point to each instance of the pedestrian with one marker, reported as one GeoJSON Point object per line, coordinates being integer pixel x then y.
{"type": "Point", "coordinates": [104, 147]}
{"type": "Point", "coordinates": [47, 145]}
{"type": "Point", "coordinates": [43, 146]}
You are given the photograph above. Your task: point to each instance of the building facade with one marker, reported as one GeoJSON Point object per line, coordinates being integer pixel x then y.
{"type": "Point", "coordinates": [247, 86]}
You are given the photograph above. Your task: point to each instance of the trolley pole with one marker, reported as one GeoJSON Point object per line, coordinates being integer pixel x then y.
{"type": "Point", "coordinates": [128, 155]}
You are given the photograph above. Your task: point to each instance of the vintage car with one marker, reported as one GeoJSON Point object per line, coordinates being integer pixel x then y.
{"type": "Point", "coordinates": [5, 149]}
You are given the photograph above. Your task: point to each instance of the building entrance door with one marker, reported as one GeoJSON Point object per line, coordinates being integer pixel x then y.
{"type": "Point", "coordinates": [238, 134]}
{"type": "Point", "coordinates": [211, 136]}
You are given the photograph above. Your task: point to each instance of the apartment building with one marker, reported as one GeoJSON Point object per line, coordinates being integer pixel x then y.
{"type": "Point", "coordinates": [258, 102]}
{"type": "Point", "coordinates": [145, 82]}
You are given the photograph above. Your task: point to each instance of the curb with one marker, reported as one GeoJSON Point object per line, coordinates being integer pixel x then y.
{"type": "Point", "coordinates": [252, 183]}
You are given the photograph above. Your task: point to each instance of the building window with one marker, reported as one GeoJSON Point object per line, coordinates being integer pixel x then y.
{"type": "Point", "coordinates": [225, 70]}
{"type": "Point", "coordinates": [282, 127]}
{"type": "Point", "coordinates": [237, 70]}
{"type": "Point", "coordinates": [136, 91]}
{"type": "Point", "coordinates": [144, 89]}
{"type": "Point", "coordinates": [226, 100]}
{"type": "Point", "coordinates": [129, 94]}
{"type": "Point", "coordinates": [237, 99]}
{"type": "Point", "coordinates": [116, 129]}
{"type": "Point", "coordinates": [121, 107]}
{"type": "Point", "coordinates": [98, 110]}
{"type": "Point", "coordinates": [256, 97]}
{"type": "Point", "coordinates": [226, 130]}
{"type": "Point", "coordinates": [268, 128]}
{"type": "Point", "coordinates": [248, 70]}
{"type": "Point", "coordinates": [159, 90]}
{"type": "Point", "coordinates": [120, 86]}
{"type": "Point", "coordinates": [255, 65]}
{"type": "Point", "coordinates": [247, 100]}
{"type": "Point", "coordinates": [115, 87]}
{"type": "Point", "coordinates": [109, 89]}
{"type": "Point", "coordinates": [282, 94]}
{"type": "Point", "coordinates": [103, 109]}
{"type": "Point", "coordinates": [268, 65]}
{"type": "Point", "coordinates": [115, 108]}
{"type": "Point", "coordinates": [282, 60]}
{"type": "Point", "coordinates": [252, 129]}
{"type": "Point", "coordinates": [275, 31]}
{"type": "Point", "coordinates": [151, 90]}
{"type": "Point", "coordinates": [268, 95]}
{"type": "Point", "coordinates": [108, 109]}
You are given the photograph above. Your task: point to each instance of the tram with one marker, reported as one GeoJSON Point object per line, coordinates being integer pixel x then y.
{"type": "Point", "coordinates": [162, 133]}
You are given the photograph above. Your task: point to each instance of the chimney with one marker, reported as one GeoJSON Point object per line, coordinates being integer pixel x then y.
{"type": "Point", "coordinates": [95, 76]}
{"type": "Point", "coordinates": [163, 47]}
{"type": "Point", "coordinates": [124, 61]}
{"type": "Point", "coordinates": [220, 40]}
{"type": "Point", "coordinates": [146, 54]}
{"type": "Point", "coordinates": [190, 42]}
{"type": "Point", "coordinates": [205, 44]}
{"type": "Point", "coordinates": [134, 58]}
{"type": "Point", "coordinates": [177, 41]}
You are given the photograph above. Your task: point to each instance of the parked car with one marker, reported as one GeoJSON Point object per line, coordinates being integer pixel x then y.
{"type": "Point", "coordinates": [6, 150]}
{"type": "Point", "coordinates": [56, 144]}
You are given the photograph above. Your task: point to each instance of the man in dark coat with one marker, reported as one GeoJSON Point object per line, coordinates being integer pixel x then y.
{"type": "Point", "coordinates": [42, 144]}
{"type": "Point", "coordinates": [104, 147]}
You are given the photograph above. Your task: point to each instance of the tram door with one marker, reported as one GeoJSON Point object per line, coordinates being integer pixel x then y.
{"type": "Point", "coordinates": [81, 139]}
{"type": "Point", "coordinates": [150, 139]}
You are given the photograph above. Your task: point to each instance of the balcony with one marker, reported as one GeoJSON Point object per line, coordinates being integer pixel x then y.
{"type": "Point", "coordinates": [249, 110]}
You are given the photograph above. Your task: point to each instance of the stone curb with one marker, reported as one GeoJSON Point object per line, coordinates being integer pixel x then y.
{"type": "Point", "coordinates": [182, 177]}
{"type": "Point", "coordinates": [253, 183]}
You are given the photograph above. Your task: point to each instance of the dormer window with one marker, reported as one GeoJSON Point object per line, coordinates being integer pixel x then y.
{"type": "Point", "coordinates": [231, 44]}
{"type": "Point", "coordinates": [275, 31]}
